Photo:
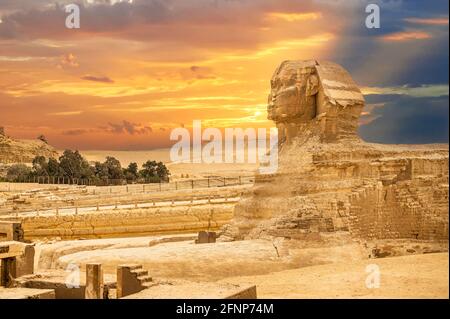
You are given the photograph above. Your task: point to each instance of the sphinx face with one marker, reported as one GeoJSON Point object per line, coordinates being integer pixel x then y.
{"type": "Point", "coordinates": [290, 96]}
{"type": "Point", "coordinates": [284, 95]}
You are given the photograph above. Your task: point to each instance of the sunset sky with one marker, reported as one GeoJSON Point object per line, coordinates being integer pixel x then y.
{"type": "Point", "coordinates": [137, 69]}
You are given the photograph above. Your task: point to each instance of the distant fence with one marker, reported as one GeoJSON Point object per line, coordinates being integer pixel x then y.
{"type": "Point", "coordinates": [64, 180]}
{"type": "Point", "coordinates": [120, 188]}
{"type": "Point", "coordinates": [76, 208]}
{"type": "Point", "coordinates": [177, 185]}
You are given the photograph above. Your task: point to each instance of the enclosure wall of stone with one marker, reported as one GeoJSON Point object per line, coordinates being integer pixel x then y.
{"type": "Point", "coordinates": [330, 183]}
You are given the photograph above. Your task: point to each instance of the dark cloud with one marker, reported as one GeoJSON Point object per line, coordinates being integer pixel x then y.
{"type": "Point", "coordinates": [231, 23]}
{"type": "Point", "coordinates": [103, 79]}
{"type": "Point", "coordinates": [10, 6]}
{"type": "Point", "coordinates": [375, 62]}
{"type": "Point", "coordinates": [75, 132]}
{"type": "Point", "coordinates": [129, 128]}
{"type": "Point", "coordinates": [431, 68]}
{"type": "Point", "coordinates": [125, 127]}
{"type": "Point", "coordinates": [197, 73]}
{"type": "Point", "coordinates": [99, 18]}
{"type": "Point", "coordinates": [407, 120]}
{"type": "Point", "coordinates": [425, 8]}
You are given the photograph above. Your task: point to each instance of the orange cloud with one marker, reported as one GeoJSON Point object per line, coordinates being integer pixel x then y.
{"type": "Point", "coordinates": [406, 36]}
{"type": "Point", "coordinates": [294, 17]}
{"type": "Point", "coordinates": [428, 21]}
{"type": "Point", "coordinates": [68, 60]}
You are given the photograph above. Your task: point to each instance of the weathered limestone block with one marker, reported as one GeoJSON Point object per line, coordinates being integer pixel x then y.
{"type": "Point", "coordinates": [205, 237]}
{"type": "Point", "coordinates": [247, 293]}
{"type": "Point", "coordinates": [94, 281]}
{"type": "Point", "coordinates": [329, 181]}
{"type": "Point", "coordinates": [70, 285]}
{"type": "Point", "coordinates": [131, 279]}
{"type": "Point", "coordinates": [16, 259]}
{"type": "Point", "coordinates": [196, 290]}
{"type": "Point", "coordinates": [25, 262]}
{"type": "Point", "coordinates": [11, 231]}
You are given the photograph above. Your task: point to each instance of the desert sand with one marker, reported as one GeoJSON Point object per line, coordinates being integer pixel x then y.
{"type": "Point", "coordinates": [255, 262]}
{"type": "Point", "coordinates": [417, 276]}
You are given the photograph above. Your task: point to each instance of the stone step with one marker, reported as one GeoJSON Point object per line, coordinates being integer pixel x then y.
{"type": "Point", "coordinates": [140, 272]}
{"type": "Point", "coordinates": [133, 267]}
{"type": "Point", "coordinates": [145, 279]}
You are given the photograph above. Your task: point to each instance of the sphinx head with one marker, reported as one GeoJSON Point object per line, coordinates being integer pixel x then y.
{"type": "Point", "coordinates": [305, 92]}
{"type": "Point", "coordinates": [293, 92]}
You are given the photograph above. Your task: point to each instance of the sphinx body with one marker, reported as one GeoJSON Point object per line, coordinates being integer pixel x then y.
{"type": "Point", "coordinates": [331, 185]}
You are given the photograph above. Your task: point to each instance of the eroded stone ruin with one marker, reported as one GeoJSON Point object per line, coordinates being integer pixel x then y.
{"type": "Point", "coordinates": [332, 186]}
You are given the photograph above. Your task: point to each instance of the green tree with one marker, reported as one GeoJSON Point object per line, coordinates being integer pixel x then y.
{"type": "Point", "coordinates": [163, 172]}
{"type": "Point", "coordinates": [154, 172]}
{"type": "Point", "coordinates": [110, 169]}
{"type": "Point", "coordinates": [114, 168]}
{"type": "Point", "coordinates": [18, 172]}
{"type": "Point", "coordinates": [131, 172]}
{"type": "Point", "coordinates": [73, 165]}
{"type": "Point", "coordinates": [53, 167]}
{"type": "Point", "coordinates": [148, 170]}
{"type": "Point", "coordinates": [40, 166]}
{"type": "Point", "coordinates": [101, 171]}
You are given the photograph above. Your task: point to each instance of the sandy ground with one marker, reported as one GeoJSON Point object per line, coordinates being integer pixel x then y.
{"type": "Point", "coordinates": [332, 272]}
{"type": "Point", "coordinates": [25, 293]}
{"type": "Point", "coordinates": [415, 276]}
{"type": "Point", "coordinates": [186, 260]}
{"type": "Point", "coordinates": [204, 170]}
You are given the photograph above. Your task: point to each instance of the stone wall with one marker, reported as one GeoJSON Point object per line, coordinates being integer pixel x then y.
{"type": "Point", "coordinates": [129, 222]}
{"type": "Point", "coordinates": [379, 198]}
{"type": "Point", "coordinates": [415, 209]}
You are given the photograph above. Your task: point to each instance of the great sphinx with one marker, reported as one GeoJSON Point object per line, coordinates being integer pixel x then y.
{"type": "Point", "coordinates": [330, 184]}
